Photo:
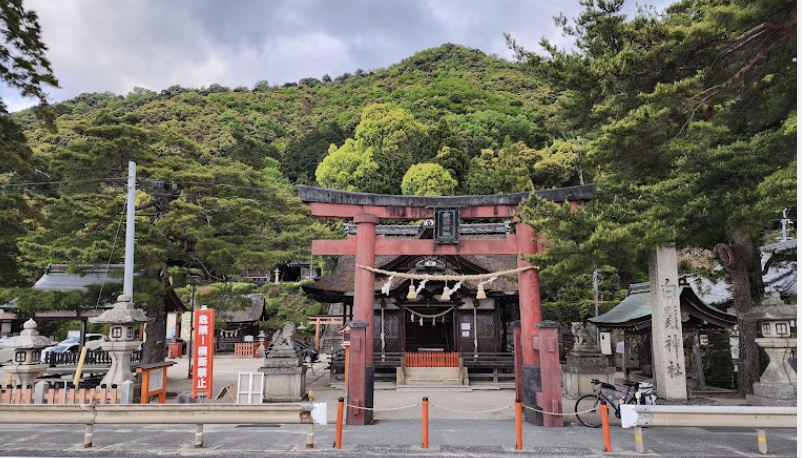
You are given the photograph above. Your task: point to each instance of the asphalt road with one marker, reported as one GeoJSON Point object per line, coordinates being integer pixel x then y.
{"type": "Point", "coordinates": [477, 423]}
{"type": "Point", "coordinates": [447, 438]}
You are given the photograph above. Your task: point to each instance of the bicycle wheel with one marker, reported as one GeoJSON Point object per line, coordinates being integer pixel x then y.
{"type": "Point", "coordinates": [587, 411]}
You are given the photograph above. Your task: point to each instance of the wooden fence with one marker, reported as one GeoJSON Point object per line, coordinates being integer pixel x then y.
{"type": "Point", "coordinates": [431, 359]}
{"type": "Point", "coordinates": [44, 393]}
{"type": "Point", "coordinates": [247, 349]}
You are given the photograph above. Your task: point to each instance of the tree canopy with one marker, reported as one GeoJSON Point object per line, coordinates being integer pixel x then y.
{"type": "Point", "coordinates": [686, 120]}
{"type": "Point", "coordinates": [428, 180]}
{"type": "Point", "coordinates": [690, 118]}
{"type": "Point", "coordinates": [23, 64]}
{"type": "Point", "coordinates": [213, 214]}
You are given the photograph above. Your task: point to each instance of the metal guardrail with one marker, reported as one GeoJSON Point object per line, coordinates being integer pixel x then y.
{"type": "Point", "coordinates": [157, 414]}
{"type": "Point", "coordinates": [759, 417]}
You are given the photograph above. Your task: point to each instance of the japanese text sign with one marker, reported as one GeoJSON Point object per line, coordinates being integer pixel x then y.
{"type": "Point", "coordinates": [203, 353]}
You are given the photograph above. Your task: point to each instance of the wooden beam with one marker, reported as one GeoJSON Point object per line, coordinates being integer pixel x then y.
{"type": "Point", "coordinates": [330, 210]}
{"type": "Point", "coordinates": [418, 247]}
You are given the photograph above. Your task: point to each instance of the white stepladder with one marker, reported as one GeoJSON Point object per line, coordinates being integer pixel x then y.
{"type": "Point", "coordinates": [250, 387]}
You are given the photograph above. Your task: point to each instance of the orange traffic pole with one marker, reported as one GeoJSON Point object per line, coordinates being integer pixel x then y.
{"type": "Point", "coordinates": [519, 434]}
{"type": "Point", "coordinates": [338, 438]}
{"type": "Point", "coordinates": [605, 414]}
{"type": "Point", "coordinates": [425, 408]}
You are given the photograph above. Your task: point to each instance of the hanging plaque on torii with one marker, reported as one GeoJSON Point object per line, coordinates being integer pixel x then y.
{"type": "Point", "coordinates": [446, 225]}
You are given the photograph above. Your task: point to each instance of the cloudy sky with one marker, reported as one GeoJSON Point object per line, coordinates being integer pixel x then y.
{"type": "Point", "coordinates": [105, 45]}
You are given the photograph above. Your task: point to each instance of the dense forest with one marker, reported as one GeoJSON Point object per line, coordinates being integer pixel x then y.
{"type": "Point", "coordinates": [685, 119]}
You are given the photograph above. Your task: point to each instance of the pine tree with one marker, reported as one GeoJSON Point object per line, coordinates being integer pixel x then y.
{"type": "Point", "coordinates": [691, 123]}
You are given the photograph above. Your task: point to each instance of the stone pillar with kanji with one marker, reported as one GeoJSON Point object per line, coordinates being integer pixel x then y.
{"type": "Point", "coordinates": [669, 356]}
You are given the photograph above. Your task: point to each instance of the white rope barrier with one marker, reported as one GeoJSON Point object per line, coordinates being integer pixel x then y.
{"type": "Point", "coordinates": [385, 409]}
{"type": "Point", "coordinates": [469, 411]}
{"type": "Point", "coordinates": [458, 278]}
{"type": "Point", "coordinates": [450, 409]}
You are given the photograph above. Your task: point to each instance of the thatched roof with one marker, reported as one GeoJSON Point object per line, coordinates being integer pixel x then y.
{"type": "Point", "coordinates": [254, 312]}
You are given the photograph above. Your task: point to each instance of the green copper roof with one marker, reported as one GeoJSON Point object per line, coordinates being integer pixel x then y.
{"type": "Point", "coordinates": [636, 307]}
{"type": "Point", "coordinates": [635, 311]}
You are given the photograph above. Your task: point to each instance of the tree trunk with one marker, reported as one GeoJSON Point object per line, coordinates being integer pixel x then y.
{"type": "Point", "coordinates": [155, 348]}
{"type": "Point", "coordinates": [741, 259]}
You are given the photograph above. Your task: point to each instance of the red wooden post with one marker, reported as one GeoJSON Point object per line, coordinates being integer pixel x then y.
{"type": "Point", "coordinates": [528, 294]}
{"type": "Point", "coordinates": [360, 377]}
{"type": "Point", "coordinates": [529, 300]}
{"type": "Point", "coordinates": [363, 278]}
{"type": "Point", "coordinates": [358, 394]}
{"type": "Point", "coordinates": [551, 386]}
{"type": "Point", "coordinates": [317, 334]}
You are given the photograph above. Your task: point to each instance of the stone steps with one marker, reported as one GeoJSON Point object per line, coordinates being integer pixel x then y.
{"type": "Point", "coordinates": [422, 387]}
{"type": "Point", "coordinates": [434, 381]}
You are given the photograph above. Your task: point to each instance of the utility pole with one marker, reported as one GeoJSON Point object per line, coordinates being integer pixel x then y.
{"type": "Point", "coordinates": [193, 283]}
{"type": "Point", "coordinates": [128, 279]}
{"type": "Point", "coordinates": [596, 301]}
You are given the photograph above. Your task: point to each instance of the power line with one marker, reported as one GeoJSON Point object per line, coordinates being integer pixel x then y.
{"type": "Point", "coordinates": [47, 183]}
{"type": "Point", "coordinates": [147, 182]}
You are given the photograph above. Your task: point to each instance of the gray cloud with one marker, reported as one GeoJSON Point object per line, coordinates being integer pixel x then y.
{"type": "Point", "coordinates": [99, 45]}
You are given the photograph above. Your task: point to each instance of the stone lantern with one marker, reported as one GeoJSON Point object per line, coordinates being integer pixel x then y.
{"type": "Point", "coordinates": [777, 385]}
{"type": "Point", "coordinates": [122, 318]}
{"type": "Point", "coordinates": [27, 353]}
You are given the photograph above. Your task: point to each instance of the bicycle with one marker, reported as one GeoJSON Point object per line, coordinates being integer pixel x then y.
{"type": "Point", "coordinates": [587, 407]}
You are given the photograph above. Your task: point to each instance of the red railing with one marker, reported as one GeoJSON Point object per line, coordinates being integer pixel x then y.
{"type": "Point", "coordinates": [431, 359]}
{"type": "Point", "coordinates": [247, 349]}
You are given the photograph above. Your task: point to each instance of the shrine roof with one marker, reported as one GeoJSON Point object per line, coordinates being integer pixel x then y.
{"type": "Point", "coordinates": [58, 277]}
{"type": "Point", "coordinates": [250, 313]}
{"type": "Point", "coordinates": [635, 311]}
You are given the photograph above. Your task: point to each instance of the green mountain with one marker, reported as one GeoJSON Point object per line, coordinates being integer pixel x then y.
{"type": "Point", "coordinates": [483, 99]}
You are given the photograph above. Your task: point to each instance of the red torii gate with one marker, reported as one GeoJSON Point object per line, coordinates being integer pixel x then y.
{"type": "Point", "coordinates": [538, 386]}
